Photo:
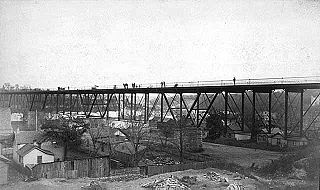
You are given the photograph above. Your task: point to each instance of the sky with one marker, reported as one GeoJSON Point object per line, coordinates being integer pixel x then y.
{"type": "Point", "coordinates": [93, 42]}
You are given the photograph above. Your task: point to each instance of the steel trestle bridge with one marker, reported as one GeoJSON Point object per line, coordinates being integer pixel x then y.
{"type": "Point", "coordinates": [290, 103]}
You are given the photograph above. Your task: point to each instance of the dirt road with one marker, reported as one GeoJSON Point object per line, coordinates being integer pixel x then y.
{"type": "Point", "coordinates": [241, 156]}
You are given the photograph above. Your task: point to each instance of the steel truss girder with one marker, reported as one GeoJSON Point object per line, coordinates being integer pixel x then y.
{"type": "Point", "coordinates": [102, 101]}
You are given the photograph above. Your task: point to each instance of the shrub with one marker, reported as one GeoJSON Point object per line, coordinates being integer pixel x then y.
{"type": "Point", "coordinates": [301, 159]}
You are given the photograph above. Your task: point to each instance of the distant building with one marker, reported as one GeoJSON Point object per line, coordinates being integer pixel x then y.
{"type": "Point", "coordinates": [277, 139]}
{"type": "Point", "coordinates": [35, 138]}
{"type": "Point", "coordinates": [22, 138]}
{"type": "Point", "coordinates": [234, 131]}
{"type": "Point", "coordinates": [31, 155]}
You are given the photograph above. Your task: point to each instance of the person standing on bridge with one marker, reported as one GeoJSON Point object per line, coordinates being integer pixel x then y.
{"type": "Point", "coordinates": [234, 80]}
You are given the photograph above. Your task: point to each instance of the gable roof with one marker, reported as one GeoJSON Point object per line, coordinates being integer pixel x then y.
{"type": "Point", "coordinates": [29, 147]}
{"type": "Point", "coordinates": [276, 134]}
{"type": "Point", "coordinates": [273, 130]}
{"type": "Point", "coordinates": [27, 137]}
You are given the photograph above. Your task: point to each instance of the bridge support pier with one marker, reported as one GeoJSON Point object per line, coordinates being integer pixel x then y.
{"type": "Point", "coordinates": [270, 113]}
{"type": "Point", "coordinates": [285, 114]}
{"type": "Point", "coordinates": [226, 112]}
{"type": "Point", "coordinates": [253, 127]}
{"type": "Point", "coordinates": [301, 113]}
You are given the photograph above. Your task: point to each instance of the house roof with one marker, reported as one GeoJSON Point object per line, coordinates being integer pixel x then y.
{"type": "Point", "coordinates": [27, 137]}
{"type": "Point", "coordinates": [29, 147]}
{"type": "Point", "coordinates": [273, 130]}
{"type": "Point", "coordinates": [277, 134]}
{"type": "Point", "coordinates": [119, 133]}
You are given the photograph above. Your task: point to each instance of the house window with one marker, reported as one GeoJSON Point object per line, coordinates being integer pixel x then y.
{"type": "Point", "coordinates": [102, 148]}
{"type": "Point", "coordinates": [39, 159]}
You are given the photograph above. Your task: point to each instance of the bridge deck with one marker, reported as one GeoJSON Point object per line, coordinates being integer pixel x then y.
{"type": "Point", "coordinates": [190, 89]}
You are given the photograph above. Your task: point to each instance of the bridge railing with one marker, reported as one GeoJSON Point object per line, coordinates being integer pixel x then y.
{"type": "Point", "coordinates": [285, 80]}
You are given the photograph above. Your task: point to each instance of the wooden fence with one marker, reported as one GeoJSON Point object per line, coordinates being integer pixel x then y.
{"type": "Point", "coordinates": [125, 171]}
{"type": "Point", "coordinates": [99, 167]}
{"type": "Point", "coordinates": [154, 170]}
{"type": "Point", "coordinates": [93, 167]}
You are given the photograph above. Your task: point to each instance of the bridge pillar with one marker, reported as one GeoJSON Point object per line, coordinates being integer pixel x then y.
{"type": "Point", "coordinates": [135, 107]}
{"type": "Point", "coordinates": [57, 103]}
{"type": "Point", "coordinates": [285, 113]}
{"type": "Point", "coordinates": [119, 106]}
{"type": "Point", "coordinates": [253, 129]}
{"type": "Point", "coordinates": [146, 107]}
{"type": "Point", "coordinates": [161, 107]}
{"type": "Point", "coordinates": [109, 96]}
{"type": "Point", "coordinates": [301, 113]}
{"type": "Point", "coordinates": [198, 106]}
{"type": "Point", "coordinates": [242, 111]}
{"type": "Point", "coordinates": [180, 127]}
{"type": "Point", "coordinates": [123, 104]}
{"type": "Point", "coordinates": [226, 112]}
{"type": "Point", "coordinates": [270, 116]}
{"type": "Point", "coordinates": [131, 107]}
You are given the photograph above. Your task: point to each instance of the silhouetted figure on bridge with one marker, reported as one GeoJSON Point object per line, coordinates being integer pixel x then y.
{"type": "Point", "coordinates": [234, 80]}
{"type": "Point", "coordinates": [163, 84]}
{"type": "Point", "coordinates": [176, 85]}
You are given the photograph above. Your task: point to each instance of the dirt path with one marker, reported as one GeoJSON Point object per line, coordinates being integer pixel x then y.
{"type": "Point", "coordinates": [242, 156]}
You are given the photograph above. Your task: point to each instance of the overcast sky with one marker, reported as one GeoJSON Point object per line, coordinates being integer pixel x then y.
{"type": "Point", "coordinates": [81, 43]}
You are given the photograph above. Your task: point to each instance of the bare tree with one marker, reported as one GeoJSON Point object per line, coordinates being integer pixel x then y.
{"type": "Point", "coordinates": [137, 133]}
{"type": "Point", "coordinates": [65, 131]}
{"type": "Point", "coordinates": [98, 132]}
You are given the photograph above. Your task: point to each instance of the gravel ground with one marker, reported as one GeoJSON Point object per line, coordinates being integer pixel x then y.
{"type": "Point", "coordinates": [202, 182]}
